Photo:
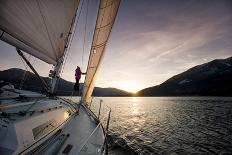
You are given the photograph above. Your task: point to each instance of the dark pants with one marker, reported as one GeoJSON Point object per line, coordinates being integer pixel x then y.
{"type": "Point", "coordinates": [76, 86]}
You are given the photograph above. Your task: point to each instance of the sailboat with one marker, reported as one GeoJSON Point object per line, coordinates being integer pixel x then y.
{"type": "Point", "coordinates": [35, 123]}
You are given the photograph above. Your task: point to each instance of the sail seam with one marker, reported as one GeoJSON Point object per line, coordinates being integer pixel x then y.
{"type": "Point", "coordinates": [91, 54]}
{"type": "Point", "coordinates": [104, 43]}
{"type": "Point", "coordinates": [94, 74]}
{"type": "Point", "coordinates": [107, 5]}
{"type": "Point", "coordinates": [105, 25]}
{"type": "Point", "coordinates": [100, 45]}
{"type": "Point", "coordinates": [100, 24]}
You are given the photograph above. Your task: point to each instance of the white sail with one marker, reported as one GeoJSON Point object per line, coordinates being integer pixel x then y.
{"type": "Point", "coordinates": [38, 27]}
{"type": "Point", "coordinates": [106, 16]}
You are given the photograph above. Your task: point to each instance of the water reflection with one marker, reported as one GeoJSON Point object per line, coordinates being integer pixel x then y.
{"type": "Point", "coordinates": [172, 125]}
{"type": "Point", "coordinates": [134, 99]}
{"type": "Point", "coordinates": [135, 106]}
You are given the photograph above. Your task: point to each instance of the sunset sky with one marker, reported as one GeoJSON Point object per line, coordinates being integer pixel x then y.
{"type": "Point", "coordinates": [151, 41]}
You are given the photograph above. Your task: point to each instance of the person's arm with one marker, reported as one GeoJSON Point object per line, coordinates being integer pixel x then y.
{"type": "Point", "coordinates": [84, 73]}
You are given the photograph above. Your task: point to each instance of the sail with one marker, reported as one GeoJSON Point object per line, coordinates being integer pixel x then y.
{"type": "Point", "coordinates": [106, 16]}
{"type": "Point", "coordinates": [38, 27]}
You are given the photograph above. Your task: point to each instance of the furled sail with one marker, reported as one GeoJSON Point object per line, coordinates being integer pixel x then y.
{"type": "Point", "coordinates": [106, 16]}
{"type": "Point", "coordinates": [38, 27]}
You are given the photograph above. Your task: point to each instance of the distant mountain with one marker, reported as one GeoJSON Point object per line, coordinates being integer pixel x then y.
{"type": "Point", "coordinates": [15, 76]}
{"type": "Point", "coordinates": [210, 79]}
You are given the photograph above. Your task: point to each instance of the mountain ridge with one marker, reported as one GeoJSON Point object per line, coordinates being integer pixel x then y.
{"type": "Point", "coordinates": [64, 87]}
{"type": "Point", "coordinates": [213, 78]}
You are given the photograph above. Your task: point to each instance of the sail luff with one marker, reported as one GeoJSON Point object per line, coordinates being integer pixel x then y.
{"type": "Point", "coordinates": [38, 27]}
{"type": "Point", "coordinates": [105, 20]}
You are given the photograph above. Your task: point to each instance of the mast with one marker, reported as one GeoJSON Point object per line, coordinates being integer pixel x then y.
{"type": "Point", "coordinates": [55, 73]}
{"type": "Point", "coordinates": [105, 20]}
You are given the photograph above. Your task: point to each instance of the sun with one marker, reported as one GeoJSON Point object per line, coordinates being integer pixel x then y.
{"type": "Point", "coordinates": [130, 86]}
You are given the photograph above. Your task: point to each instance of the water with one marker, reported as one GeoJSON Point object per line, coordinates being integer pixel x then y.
{"type": "Point", "coordinates": [169, 125]}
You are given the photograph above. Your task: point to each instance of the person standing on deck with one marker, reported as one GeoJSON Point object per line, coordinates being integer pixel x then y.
{"type": "Point", "coordinates": [78, 77]}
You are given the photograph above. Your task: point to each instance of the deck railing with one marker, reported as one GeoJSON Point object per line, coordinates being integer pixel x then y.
{"type": "Point", "coordinates": [103, 118]}
{"type": "Point", "coordinates": [101, 148]}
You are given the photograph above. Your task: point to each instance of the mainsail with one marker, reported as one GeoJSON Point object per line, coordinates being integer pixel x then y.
{"type": "Point", "coordinates": [38, 27]}
{"type": "Point", "coordinates": [106, 16]}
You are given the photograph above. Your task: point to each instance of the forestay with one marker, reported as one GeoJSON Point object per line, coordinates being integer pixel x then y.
{"type": "Point", "coordinates": [106, 16]}
{"type": "Point", "coordinates": [38, 27]}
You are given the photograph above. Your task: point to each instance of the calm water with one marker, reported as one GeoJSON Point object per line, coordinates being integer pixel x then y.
{"type": "Point", "coordinates": [169, 125]}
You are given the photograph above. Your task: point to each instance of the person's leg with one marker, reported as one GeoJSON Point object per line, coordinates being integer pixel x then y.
{"type": "Point", "coordinates": [76, 86]}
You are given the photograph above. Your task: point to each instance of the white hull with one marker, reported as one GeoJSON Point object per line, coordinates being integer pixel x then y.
{"type": "Point", "coordinates": [35, 124]}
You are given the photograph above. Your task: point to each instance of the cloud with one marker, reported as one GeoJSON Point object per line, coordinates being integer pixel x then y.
{"type": "Point", "coordinates": [154, 40]}
{"type": "Point", "coordinates": [172, 44]}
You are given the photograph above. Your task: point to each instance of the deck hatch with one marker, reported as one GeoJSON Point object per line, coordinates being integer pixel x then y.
{"type": "Point", "coordinates": [44, 128]}
{"type": "Point", "coordinates": [67, 149]}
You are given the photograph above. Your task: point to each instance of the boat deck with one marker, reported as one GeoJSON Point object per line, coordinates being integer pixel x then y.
{"type": "Point", "coordinates": [82, 129]}
{"type": "Point", "coordinates": [69, 133]}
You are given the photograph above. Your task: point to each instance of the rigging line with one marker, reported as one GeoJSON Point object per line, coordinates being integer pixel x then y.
{"type": "Point", "coordinates": [83, 46]}
{"type": "Point", "coordinates": [86, 17]}
{"type": "Point", "coordinates": [71, 39]}
{"type": "Point", "coordinates": [68, 44]}
{"type": "Point", "coordinates": [101, 22]}
{"type": "Point", "coordinates": [69, 36]}
{"type": "Point", "coordinates": [91, 55]}
{"type": "Point", "coordinates": [24, 42]}
{"type": "Point", "coordinates": [25, 74]}
{"type": "Point", "coordinates": [43, 17]}
{"type": "Point", "coordinates": [23, 77]}
{"type": "Point", "coordinates": [33, 69]}
{"type": "Point", "coordinates": [107, 36]}
{"type": "Point", "coordinates": [32, 65]}
{"type": "Point", "coordinates": [109, 31]}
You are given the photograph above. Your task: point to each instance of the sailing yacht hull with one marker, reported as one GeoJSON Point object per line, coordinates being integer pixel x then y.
{"type": "Point", "coordinates": [31, 123]}
{"type": "Point", "coordinates": [42, 125]}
